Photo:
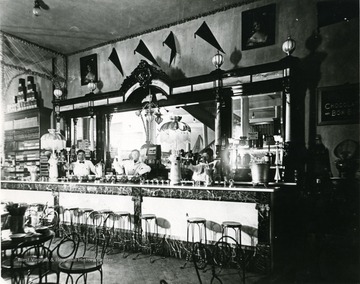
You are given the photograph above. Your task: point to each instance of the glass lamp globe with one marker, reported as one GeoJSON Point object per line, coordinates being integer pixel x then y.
{"type": "Point", "coordinates": [218, 60]}
{"type": "Point", "coordinates": [91, 86]}
{"type": "Point", "coordinates": [289, 46]}
{"type": "Point", "coordinates": [36, 10]}
{"type": "Point", "coordinates": [57, 93]}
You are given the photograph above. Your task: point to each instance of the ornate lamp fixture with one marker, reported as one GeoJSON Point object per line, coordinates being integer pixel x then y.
{"type": "Point", "coordinates": [54, 141]}
{"type": "Point", "coordinates": [289, 46]}
{"type": "Point", "coordinates": [175, 133]}
{"type": "Point", "coordinates": [150, 112]}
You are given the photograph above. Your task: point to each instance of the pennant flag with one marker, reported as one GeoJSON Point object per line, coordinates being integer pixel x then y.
{"type": "Point", "coordinates": [114, 58]}
{"type": "Point", "coordinates": [170, 42]}
{"type": "Point", "coordinates": [144, 51]}
{"type": "Point", "coordinates": [205, 33]}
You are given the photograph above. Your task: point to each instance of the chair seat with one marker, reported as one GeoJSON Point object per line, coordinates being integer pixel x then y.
{"type": "Point", "coordinates": [231, 224]}
{"type": "Point", "coordinates": [196, 220]}
{"type": "Point", "coordinates": [80, 265]}
{"type": "Point", "coordinates": [5, 264]}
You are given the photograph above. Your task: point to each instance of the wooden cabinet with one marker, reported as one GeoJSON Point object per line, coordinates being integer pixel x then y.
{"type": "Point", "coordinates": [23, 130]}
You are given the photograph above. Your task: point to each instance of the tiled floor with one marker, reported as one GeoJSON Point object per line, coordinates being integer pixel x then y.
{"type": "Point", "coordinates": [335, 264]}
{"type": "Point", "coordinates": [118, 269]}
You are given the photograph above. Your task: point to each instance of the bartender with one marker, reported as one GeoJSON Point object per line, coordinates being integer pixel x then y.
{"type": "Point", "coordinates": [205, 167]}
{"type": "Point", "coordinates": [133, 166]}
{"type": "Point", "coordinates": [82, 167]}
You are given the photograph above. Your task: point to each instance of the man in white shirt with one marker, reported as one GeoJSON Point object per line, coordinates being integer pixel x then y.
{"type": "Point", "coordinates": [82, 167]}
{"type": "Point", "coordinates": [132, 166]}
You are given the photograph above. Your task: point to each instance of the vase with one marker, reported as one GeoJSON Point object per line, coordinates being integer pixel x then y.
{"type": "Point", "coordinates": [16, 223]}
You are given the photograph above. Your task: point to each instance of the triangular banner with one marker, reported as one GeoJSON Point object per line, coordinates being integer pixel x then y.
{"type": "Point", "coordinates": [170, 42]}
{"type": "Point", "coordinates": [144, 51]}
{"type": "Point", "coordinates": [114, 58]}
{"type": "Point", "coordinates": [205, 33]}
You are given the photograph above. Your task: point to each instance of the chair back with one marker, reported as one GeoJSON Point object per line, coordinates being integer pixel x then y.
{"type": "Point", "coordinates": [224, 253]}
{"type": "Point", "coordinates": [67, 248]}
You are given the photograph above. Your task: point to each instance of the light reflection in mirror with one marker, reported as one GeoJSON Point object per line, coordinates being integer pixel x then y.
{"type": "Point", "coordinates": [127, 132]}
{"type": "Point", "coordinates": [262, 114]}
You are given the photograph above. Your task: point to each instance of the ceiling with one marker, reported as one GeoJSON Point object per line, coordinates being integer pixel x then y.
{"type": "Point", "coordinates": [70, 26]}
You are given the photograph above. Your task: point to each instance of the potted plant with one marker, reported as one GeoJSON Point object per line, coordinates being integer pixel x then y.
{"type": "Point", "coordinates": [16, 218]}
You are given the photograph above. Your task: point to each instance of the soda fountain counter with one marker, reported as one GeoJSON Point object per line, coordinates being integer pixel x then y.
{"type": "Point", "coordinates": [263, 210]}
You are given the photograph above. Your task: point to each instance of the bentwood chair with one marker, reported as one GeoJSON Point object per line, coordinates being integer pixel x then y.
{"type": "Point", "coordinates": [27, 262]}
{"type": "Point", "coordinates": [45, 260]}
{"type": "Point", "coordinates": [91, 262]}
{"type": "Point", "coordinates": [225, 253]}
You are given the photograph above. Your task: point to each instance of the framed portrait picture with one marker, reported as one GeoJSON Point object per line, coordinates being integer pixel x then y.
{"type": "Point", "coordinates": [88, 69]}
{"type": "Point", "coordinates": [258, 27]}
{"type": "Point", "coordinates": [338, 104]}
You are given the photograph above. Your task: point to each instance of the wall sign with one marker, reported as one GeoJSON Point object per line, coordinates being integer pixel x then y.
{"type": "Point", "coordinates": [338, 104]}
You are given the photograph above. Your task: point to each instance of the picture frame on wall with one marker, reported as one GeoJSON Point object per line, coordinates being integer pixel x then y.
{"type": "Point", "coordinates": [88, 69]}
{"type": "Point", "coordinates": [258, 27]}
{"type": "Point", "coordinates": [338, 104]}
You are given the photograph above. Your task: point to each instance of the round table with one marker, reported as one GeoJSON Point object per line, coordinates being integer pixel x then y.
{"type": "Point", "coordinates": [30, 239]}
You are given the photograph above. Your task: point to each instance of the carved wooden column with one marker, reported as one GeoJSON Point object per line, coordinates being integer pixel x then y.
{"type": "Point", "coordinates": [218, 102]}
{"type": "Point", "coordinates": [108, 118]}
{"type": "Point", "coordinates": [68, 131]}
{"type": "Point", "coordinates": [244, 107]}
{"type": "Point", "coordinates": [75, 120]}
{"type": "Point", "coordinates": [100, 137]}
{"type": "Point", "coordinates": [91, 130]}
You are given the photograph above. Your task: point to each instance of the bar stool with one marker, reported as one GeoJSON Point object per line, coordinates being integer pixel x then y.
{"type": "Point", "coordinates": [66, 222]}
{"type": "Point", "coordinates": [120, 233]}
{"type": "Point", "coordinates": [191, 225]}
{"type": "Point", "coordinates": [236, 226]}
{"type": "Point", "coordinates": [201, 224]}
{"type": "Point", "coordinates": [80, 223]}
{"type": "Point", "coordinates": [105, 213]}
{"type": "Point", "coordinates": [239, 256]}
{"type": "Point", "coordinates": [147, 244]}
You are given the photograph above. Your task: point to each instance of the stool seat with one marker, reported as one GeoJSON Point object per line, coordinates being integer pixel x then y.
{"type": "Point", "coordinates": [85, 209]}
{"type": "Point", "coordinates": [196, 220]}
{"type": "Point", "coordinates": [73, 208]}
{"type": "Point", "coordinates": [148, 216]}
{"type": "Point", "coordinates": [105, 211]}
{"type": "Point", "coordinates": [231, 224]}
{"type": "Point", "coordinates": [122, 213]}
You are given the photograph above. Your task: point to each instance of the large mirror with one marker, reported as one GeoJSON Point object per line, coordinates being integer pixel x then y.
{"type": "Point", "coordinates": [261, 114]}
{"type": "Point", "coordinates": [182, 127]}
{"type": "Point", "coordinates": [83, 134]}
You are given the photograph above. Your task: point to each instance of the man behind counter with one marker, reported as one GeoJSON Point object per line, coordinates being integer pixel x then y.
{"type": "Point", "coordinates": [133, 166]}
{"type": "Point", "coordinates": [82, 167]}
